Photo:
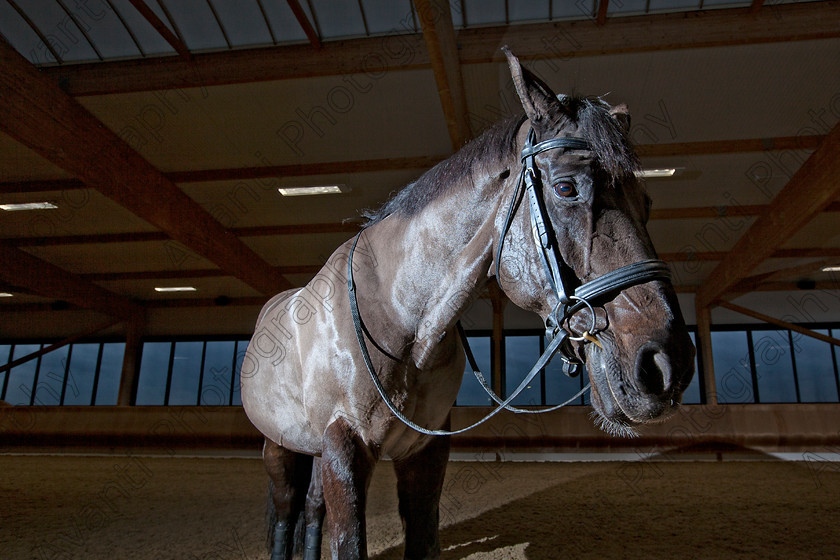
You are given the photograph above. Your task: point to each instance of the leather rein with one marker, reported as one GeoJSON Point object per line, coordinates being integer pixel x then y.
{"type": "Point", "coordinates": [570, 301]}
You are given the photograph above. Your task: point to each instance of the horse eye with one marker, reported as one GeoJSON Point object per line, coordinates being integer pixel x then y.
{"type": "Point", "coordinates": [564, 188]}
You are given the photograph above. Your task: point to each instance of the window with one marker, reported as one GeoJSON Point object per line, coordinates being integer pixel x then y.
{"type": "Point", "coordinates": [81, 374]}
{"type": "Point", "coordinates": [75, 374]}
{"type": "Point", "coordinates": [154, 370]}
{"type": "Point", "coordinates": [761, 365]}
{"type": "Point", "coordinates": [774, 367]}
{"type": "Point", "coordinates": [521, 352]}
{"type": "Point", "coordinates": [733, 371]}
{"type": "Point", "coordinates": [219, 365]}
{"type": "Point", "coordinates": [692, 393]}
{"type": "Point", "coordinates": [20, 380]}
{"type": "Point", "coordinates": [110, 373]}
{"type": "Point", "coordinates": [185, 376]}
{"type": "Point", "coordinates": [814, 369]}
{"type": "Point", "coordinates": [471, 392]}
{"type": "Point", "coordinates": [559, 387]}
{"type": "Point", "coordinates": [52, 375]}
{"type": "Point", "coordinates": [191, 372]}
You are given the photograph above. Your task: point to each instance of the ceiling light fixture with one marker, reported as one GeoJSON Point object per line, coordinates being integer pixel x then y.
{"type": "Point", "coordinates": [831, 269]}
{"type": "Point", "coordinates": [6, 294]}
{"type": "Point", "coordinates": [28, 206]}
{"type": "Point", "coordinates": [313, 189]}
{"type": "Point", "coordinates": [175, 289]}
{"type": "Point", "coordinates": [654, 173]}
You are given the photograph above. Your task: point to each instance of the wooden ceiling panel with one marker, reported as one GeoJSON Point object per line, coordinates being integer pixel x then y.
{"type": "Point", "coordinates": [19, 163]}
{"type": "Point", "coordinates": [275, 123]}
{"type": "Point", "coordinates": [121, 257]}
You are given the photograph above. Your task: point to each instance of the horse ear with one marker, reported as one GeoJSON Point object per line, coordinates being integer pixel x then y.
{"type": "Point", "coordinates": [622, 114]}
{"type": "Point", "coordinates": [537, 98]}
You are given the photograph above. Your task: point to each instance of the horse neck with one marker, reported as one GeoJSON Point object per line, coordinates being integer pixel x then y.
{"type": "Point", "coordinates": [440, 258]}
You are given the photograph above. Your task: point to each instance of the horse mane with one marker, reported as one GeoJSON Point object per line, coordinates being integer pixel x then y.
{"type": "Point", "coordinates": [608, 138]}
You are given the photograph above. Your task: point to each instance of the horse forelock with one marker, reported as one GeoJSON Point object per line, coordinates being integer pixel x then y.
{"type": "Point", "coordinates": [611, 145]}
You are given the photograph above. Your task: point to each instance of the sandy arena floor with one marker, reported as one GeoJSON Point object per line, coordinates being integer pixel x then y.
{"type": "Point", "coordinates": [202, 508]}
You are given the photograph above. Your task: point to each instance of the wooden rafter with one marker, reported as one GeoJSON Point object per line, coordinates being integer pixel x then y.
{"type": "Point", "coordinates": [756, 6]}
{"type": "Point", "coordinates": [702, 212]}
{"type": "Point", "coordinates": [779, 323]}
{"type": "Point", "coordinates": [803, 253]}
{"type": "Point", "coordinates": [601, 17]}
{"type": "Point", "coordinates": [151, 236]}
{"type": "Point", "coordinates": [811, 189]}
{"type": "Point", "coordinates": [420, 162]}
{"type": "Point", "coordinates": [40, 277]}
{"type": "Point", "coordinates": [442, 46]}
{"type": "Point", "coordinates": [742, 145]}
{"type": "Point", "coordinates": [37, 113]}
{"type": "Point", "coordinates": [714, 28]}
{"type": "Point", "coordinates": [753, 283]}
{"type": "Point", "coordinates": [305, 24]}
{"type": "Point", "coordinates": [163, 30]}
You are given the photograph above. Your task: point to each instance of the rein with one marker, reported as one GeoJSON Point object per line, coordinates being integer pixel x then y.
{"type": "Point", "coordinates": [559, 333]}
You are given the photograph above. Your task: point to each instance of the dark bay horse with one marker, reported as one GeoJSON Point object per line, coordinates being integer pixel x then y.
{"type": "Point", "coordinates": [574, 250]}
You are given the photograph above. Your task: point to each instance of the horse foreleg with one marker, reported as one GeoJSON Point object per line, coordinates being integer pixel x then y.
{"type": "Point", "coordinates": [419, 486]}
{"type": "Point", "coordinates": [289, 473]}
{"type": "Point", "coordinates": [314, 514]}
{"type": "Point", "coordinates": [346, 467]}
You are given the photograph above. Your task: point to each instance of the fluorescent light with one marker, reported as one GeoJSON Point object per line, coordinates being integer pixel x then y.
{"type": "Point", "coordinates": [175, 289]}
{"type": "Point", "coordinates": [313, 189]}
{"type": "Point", "coordinates": [649, 173]}
{"type": "Point", "coordinates": [831, 269]}
{"type": "Point", "coordinates": [6, 294]}
{"type": "Point", "coordinates": [28, 206]}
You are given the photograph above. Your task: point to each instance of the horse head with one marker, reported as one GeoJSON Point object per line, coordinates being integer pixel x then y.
{"type": "Point", "coordinates": [578, 254]}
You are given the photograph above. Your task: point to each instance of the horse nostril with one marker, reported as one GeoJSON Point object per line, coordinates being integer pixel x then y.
{"type": "Point", "coordinates": [653, 370]}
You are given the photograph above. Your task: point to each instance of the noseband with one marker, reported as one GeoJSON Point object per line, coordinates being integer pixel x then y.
{"type": "Point", "coordinates": [559, 334]}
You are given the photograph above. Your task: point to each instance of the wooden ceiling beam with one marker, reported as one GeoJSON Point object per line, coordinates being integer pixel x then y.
{"type": "Point", "coordinates": [742, 145]}
{"type": "Point", "coordinates": [37, 113]}
{"type": "Point", "coordinates": [711, 28]}
{"type": "Point", "coordinates": [812, 188]}
{"type": "Point", "coordinates": [803, 253]}
{"type": "Point", "coordinates": [702, 212]}
{"type": "Point", "coordinates": [40, 277]}
{"type": "Point", "coordinates": [439, 34]}
{"type": "Point", "coordinates": [184, 274]}
{"type": "Point", "coordinates": [753, 283]}
{"type": "Point", "coordinates": [156, 236]}
{"type": "Point", "coordinates": [420, 162]}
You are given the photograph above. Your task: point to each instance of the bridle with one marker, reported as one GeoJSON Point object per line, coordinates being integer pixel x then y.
{"type": "Point", "coordinates": [569, 300]}
{"type": "Point", "coordinates": [559, 334]}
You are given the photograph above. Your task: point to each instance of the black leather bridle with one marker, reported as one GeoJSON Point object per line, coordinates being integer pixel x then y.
{"type": "Point", "coordinates": [569, 300]}
{"type": "Point", "coordinates": [559, 333]}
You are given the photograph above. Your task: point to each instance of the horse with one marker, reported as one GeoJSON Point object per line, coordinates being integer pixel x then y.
{"type": "Point", "coordinates": [365, 362]}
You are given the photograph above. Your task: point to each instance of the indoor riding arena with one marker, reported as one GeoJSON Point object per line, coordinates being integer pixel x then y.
{"type": "Point", "coordinates": [458, 279]}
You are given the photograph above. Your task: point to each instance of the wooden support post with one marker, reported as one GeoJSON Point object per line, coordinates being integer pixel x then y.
{"type": "Point", "coordinates": [442, 45]}
{"type": "Point", "coordinates": [498, 299]}
{"type": "Point", "coordinates": [131, 361]}
{"type": "Point", "coordinates": [704, 341]}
